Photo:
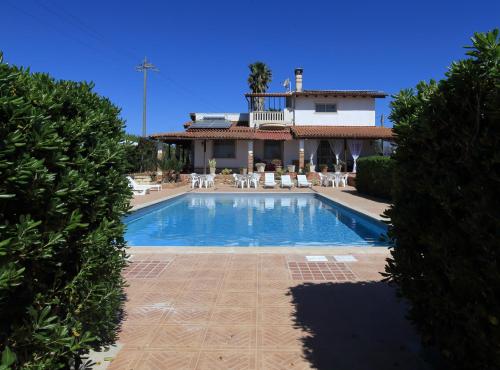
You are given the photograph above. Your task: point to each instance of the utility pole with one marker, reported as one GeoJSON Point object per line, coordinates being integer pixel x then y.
{"type": "Point", "coordinates": [143, 67]}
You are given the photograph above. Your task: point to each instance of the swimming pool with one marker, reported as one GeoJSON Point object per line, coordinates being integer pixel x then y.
{"type": "Point", "coordinates": [241, 220]}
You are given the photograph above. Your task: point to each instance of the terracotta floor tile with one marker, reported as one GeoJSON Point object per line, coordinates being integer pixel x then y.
{"type": "Point", "coordinates": [204, 284]}
{"type": "Point", "coordinates": [193, 315]}
{"type": "Point", "coordinates": [230, 336]}
{"type": "Point", "coordinates": [135, 335]}
{"type": "Point", "coordinates": [209, 274]}
{"type": "Point", "coordinates": [242, 316]}
{"type": "Point", "coordinates": [237, 299]}
{"type": "Point", "coordinates": [242, 275]}
{"type": "Point", "coordinates": [126, 360]}
{"type": "Point", "coordinates": [239, 286]}
{"type": "Point", "coordinates": [276, 316]}
{"type": "Point", "coordinates": [275, 285]}
{"type": "Point", "coordinates": [156, 298]}
{"type": "Point", "coordinates": [182, 336]}
{"type": "Point", "coordinates": [196, 298]}
{"type": "Point", "coordinates": [146, 314]}
{"type": "Point", "coordinates": [226, 360]}
{"type": "Point", "coordinates": [282, 360]}
{"type": "Point", "coordinates": [275, 298]}
{"type": "Point", "coordinates": [172, 360]}
{"type": "Point", "coordinates": [279, 337]}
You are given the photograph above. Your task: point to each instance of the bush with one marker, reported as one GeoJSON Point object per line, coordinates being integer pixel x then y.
{"type": "Point", "coordinates": [374, 176]}
{"type": "Point", "coordinates": [62, 195]}
{"type": "Point", "coordinates": [142, 156]}
{"type": "Point", "coordinates": [446, 201]}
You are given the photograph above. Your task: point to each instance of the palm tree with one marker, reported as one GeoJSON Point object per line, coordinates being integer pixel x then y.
{"type": "Point", "coordinates": [258, 80]}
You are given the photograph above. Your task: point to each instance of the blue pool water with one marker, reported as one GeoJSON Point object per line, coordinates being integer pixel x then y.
{"type": "Point", "coordinates": [251, 220]}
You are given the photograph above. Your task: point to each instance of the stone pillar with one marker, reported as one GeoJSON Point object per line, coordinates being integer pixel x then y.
{"type": "Point", "coordinates": [301, 154]}
{"type": "Point", "coordinates": [250, 157]}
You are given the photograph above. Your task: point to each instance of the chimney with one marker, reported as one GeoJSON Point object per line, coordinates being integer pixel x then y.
{"type": "Point", "coordinates": [298, 79]}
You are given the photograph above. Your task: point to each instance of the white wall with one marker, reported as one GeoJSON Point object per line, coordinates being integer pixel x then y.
{"type": "Point", "coordinates": [228, 116]}
{"type": "Point", "coordinates": [359, 111]}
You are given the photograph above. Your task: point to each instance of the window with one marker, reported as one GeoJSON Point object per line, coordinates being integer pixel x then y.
{"type": "Point", "coordinates": [326, 108]}
{"type": "Point", "coordinates": [224, 149]}
{"type": "Point", "coordinates": [272, 150]}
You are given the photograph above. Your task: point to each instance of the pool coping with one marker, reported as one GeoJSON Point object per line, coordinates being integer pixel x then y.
{"type": "Point", "coordinates": [324, 250]}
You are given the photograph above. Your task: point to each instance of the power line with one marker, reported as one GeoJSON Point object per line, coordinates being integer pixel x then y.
{"type": "Point", "coordinates": [122, 51]}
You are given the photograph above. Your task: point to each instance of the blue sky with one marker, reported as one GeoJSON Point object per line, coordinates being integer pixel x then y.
{"type": "Point", "coordinates": [203, 48]}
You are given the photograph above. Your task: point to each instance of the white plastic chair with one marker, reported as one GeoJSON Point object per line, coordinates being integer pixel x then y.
{"type": "Point", "coordinates": [286, 181]}
{"type": "Point", "coordinates": [194, 180]}
{"type": "Point", "coordinates": [269, 180]}
{"type": "Point", "coordinates": [344, 179]}
{"type": "Point", "coordinates": [323, 179]}
{"type": "Point", "coordinates": [254, 180]}
{"type": "Point", "coordinates": [302, 181]}
{"type": "Point", "coordinates": [210, 181]}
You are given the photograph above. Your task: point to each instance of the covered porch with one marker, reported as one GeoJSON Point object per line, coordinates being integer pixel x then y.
{"type": "Point", "coordinates": [305, 147]}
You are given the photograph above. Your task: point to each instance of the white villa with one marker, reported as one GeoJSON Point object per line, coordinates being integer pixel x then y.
{"type": "Point", "coordinates": [297, 127]}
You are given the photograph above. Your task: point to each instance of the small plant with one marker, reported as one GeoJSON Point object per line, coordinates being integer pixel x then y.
{"type": "Point", "coordinates": [279, 172]}
{"type": "Point", "coordinates": [226, 171]}
{"type": "Point", "coordinates": [307, 168]}
{"type": "Point", "coordinates": [212, 163]}
{"type": "Point", "coordinates": [276, 162]}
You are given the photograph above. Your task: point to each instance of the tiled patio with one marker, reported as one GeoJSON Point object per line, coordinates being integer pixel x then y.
{"type": "Point", "coordinates": [251, 311]}
{"type": "Point", "coordinates": [263, 308]}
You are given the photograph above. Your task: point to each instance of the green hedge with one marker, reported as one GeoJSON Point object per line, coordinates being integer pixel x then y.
{"type": "Point", "coordinates": [446, 207]}
{"type": "Point", "coordinates": [374, 176]}
{"type": "Point", "coordinates": [62, 196]}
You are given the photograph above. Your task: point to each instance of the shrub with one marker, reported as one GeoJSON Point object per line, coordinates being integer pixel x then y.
{"type": "Point", "coordinates": [374, 176]}
{"type": "Point", "coordinates": [62, 195]}
{"type": "Point", "coordinates": [446, 201]}
{"type": "Point", "coordinates": [142, 156]}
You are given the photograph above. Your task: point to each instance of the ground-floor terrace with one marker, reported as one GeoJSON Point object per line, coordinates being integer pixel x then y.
{"type": "Point", "coordinates": [262, 308]}
{"type": "Point", "coordinates": [301, 147]}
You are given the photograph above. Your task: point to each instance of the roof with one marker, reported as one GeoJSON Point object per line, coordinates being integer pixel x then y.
{"type": "Point", "coordinates": [299, 132]}
{"type": "Point", "coordinates": [234, 132]}
{"type": "Point", "coordinates": [347, 132]}
{"type": "Point", "coordinates": [268, 94]}
{"type": "Point", "coordinates": [361, 93]}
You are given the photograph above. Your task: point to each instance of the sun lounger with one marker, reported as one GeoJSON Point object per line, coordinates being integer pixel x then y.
{"type": "Point", "coordinates": [302, 181]}
{"type": "Point", "coordinates": [286, 181]}
{"type": "Point", "coordinates": [269, 180]}
{"type": "Point", "coordinates": [142, 189]}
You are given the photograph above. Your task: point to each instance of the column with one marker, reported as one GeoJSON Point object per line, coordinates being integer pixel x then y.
{"type": "Point", "coordinates": [301, 154]}
{"type": "Point", "coordinates": [250, 156]}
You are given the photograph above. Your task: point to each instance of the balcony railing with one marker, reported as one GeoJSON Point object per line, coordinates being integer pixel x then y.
{"type": "Point", "coordinates": [264, 118]}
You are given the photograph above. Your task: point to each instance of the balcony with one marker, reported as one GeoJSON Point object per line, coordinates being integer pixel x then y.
{"type": "Point", "coordinates": [267, 119]}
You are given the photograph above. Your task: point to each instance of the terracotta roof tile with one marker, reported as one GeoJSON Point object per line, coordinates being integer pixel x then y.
{"type": "Point", "coordinates": [234, 132]}
{"type": "Point", "coordinates": [348, 132]}
{"type": "Point", "coordinates": [300, 132]}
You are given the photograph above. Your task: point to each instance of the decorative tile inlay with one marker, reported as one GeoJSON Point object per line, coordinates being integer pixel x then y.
{"type": "Point", "coordinates": [345, 258]}
{"type": "Point", "coordinates": [335, 271]}
{"type": "Point", "coordinates": [145, 269]}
